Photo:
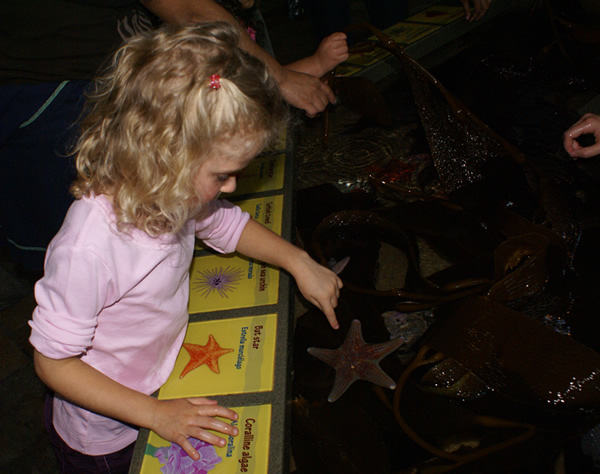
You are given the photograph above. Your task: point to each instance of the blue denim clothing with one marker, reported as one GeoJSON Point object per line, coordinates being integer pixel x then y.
{"type": "Point", "coordinates": [37, 127]}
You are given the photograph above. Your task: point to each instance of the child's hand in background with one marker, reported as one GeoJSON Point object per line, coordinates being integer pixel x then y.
{"type": "Point", "coordinates": [332, 51]}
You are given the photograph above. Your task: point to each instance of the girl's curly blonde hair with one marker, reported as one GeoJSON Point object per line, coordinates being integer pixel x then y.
{"type": "Point", "coordinates": [153, 118]}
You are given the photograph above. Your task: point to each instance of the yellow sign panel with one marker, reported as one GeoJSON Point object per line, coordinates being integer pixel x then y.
{"type": "Point", "coordinates": [223, 357]}
{"type": "Point", "coordinates": [367, 59]}
{"type": "Point", "coordinates": [278, 144]}
{"type": "Point", "coordinates": [265, 173]}
{"type": "Point", "coordinates": [408, 33]}
{"type": "Point", "coordinates": [438, 14]}
{"type": "Point", "coordinates": [268, 211]}
{"type": "Point", "coordinates": [219, 282]}
{"type": "Point", "coordinates": [246, 452]}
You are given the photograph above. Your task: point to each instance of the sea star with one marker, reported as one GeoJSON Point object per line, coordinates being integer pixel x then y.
{"type": "Point", "coordinates": [356, 359]}
{"type": "Point", "coordinates": [200, 355]}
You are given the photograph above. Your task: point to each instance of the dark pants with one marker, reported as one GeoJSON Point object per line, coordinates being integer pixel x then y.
{"type": "Point", "coordinates": [74, 462]}
{"type": "Point", "coordinates": [37, 128]}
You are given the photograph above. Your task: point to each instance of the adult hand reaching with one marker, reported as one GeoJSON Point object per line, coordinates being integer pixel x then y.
{"type": "Point", "coordinates": [305, 91]}
{"type": "Point", "coordinates": [300, 90]}
{"type": "Point", "coordinates": [589, 124]}
{"type": "Point", "coordinates": [480, 7]}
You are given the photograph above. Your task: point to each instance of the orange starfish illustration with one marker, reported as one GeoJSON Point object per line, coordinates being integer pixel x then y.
{"type": "Point", "coordinates": [200, 355]}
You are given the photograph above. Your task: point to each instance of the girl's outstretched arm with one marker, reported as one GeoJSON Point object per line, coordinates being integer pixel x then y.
{"type": "Point", "coordinates": [317, 283]}
{"type": "Point", "coordinates": [173, 420]}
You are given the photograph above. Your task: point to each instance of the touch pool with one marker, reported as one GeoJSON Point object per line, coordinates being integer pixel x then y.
{"type": "Point", "coordinates": [487, 234]}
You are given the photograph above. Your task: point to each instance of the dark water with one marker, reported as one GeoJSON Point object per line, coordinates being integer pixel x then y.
{"type": "Point", "coordinates": [529, 365]}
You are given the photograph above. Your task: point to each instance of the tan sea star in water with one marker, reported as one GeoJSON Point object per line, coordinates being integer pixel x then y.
{"type": "Point", "coordinates": [200, 355]}
{"type": "Point", "coordinates": [356, 359]}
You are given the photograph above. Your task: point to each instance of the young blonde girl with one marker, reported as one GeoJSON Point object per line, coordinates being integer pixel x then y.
{"type": "Point", "coordinates": [179, 114]}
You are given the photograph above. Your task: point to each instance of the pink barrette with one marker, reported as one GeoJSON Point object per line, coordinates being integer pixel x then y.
{"type": "Point", "coordinates": [215, 81]}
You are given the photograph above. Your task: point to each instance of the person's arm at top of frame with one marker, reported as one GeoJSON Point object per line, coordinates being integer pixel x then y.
{"type": "Point", "coordinates": [480, 7]}
{"type": "Point", "coordinates": [300, 90]}
{"type": "Point", "coordinates": [317, 283]}
{"type": "Point", "coordinates": [589, 124]}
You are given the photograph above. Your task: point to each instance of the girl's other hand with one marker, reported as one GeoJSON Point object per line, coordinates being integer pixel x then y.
{"type": "Point", "coordinates": [177, 420]}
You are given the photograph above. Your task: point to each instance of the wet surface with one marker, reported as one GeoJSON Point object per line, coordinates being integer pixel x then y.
{"type": "Point", "coordinates": [506, 377]}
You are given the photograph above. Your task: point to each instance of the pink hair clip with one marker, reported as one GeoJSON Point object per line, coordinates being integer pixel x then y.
{"type": "Point", "coordinates": [215, 81]}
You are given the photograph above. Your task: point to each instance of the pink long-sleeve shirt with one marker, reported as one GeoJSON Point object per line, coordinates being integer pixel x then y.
{"type": "Point", "coordinates": [119, 302]}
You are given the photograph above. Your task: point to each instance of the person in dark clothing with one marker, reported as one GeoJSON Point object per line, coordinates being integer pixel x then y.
{"type": "Point", "coordinates": [49, 52]}
{"type": "Point", "coordinates": [329, 16]}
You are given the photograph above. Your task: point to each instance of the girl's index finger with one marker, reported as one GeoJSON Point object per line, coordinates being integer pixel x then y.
{"type": "Point", "coordinates": [329, 313]}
